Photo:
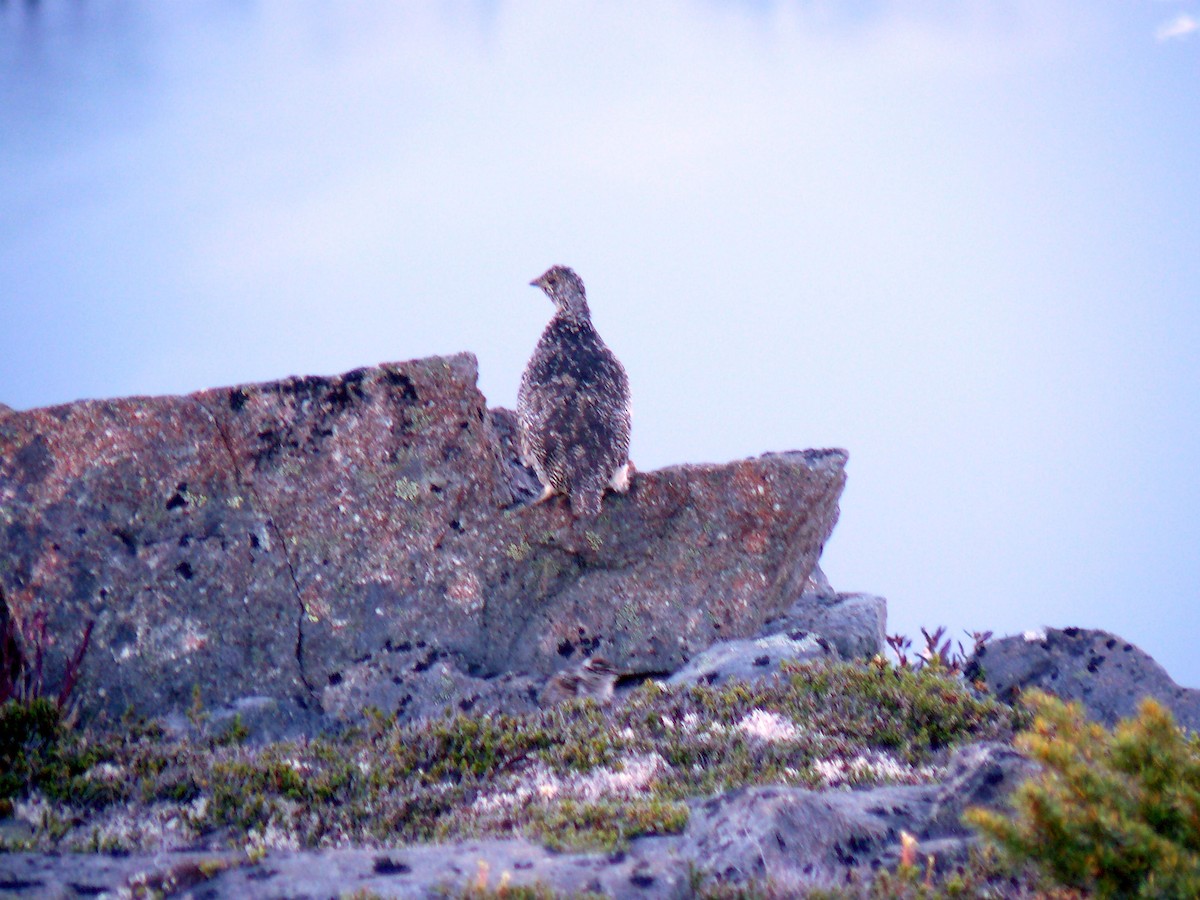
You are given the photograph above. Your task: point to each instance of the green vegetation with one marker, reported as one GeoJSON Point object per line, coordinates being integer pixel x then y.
{"type": "Point", "coordinates": [573, 776]}
{"type": "Point", "coordinates": [1115, 813]}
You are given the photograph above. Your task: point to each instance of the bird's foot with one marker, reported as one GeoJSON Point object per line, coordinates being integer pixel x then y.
{"type": "Point", "coordinates": [623, 478]}
{"type": "Point", "coordinates": [547, 493]}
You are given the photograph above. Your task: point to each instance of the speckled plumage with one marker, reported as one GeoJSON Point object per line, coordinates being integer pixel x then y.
{"type": "Point", "coordinates": [595, 678]}
{"type": "Point", "coordinates": [573, 405]}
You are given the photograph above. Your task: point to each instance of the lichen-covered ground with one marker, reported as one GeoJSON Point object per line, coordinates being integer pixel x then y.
{"type": "Point", "coordinates": [576, 776]}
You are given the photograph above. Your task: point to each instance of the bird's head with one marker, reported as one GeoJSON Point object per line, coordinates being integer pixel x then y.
{"type": "Point", "coordinates": [565, 289]}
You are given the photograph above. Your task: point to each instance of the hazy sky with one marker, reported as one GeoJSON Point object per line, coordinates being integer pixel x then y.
{"type": "Point", "coordinates": [960, 239]}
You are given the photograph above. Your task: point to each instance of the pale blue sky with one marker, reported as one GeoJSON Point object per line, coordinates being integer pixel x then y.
{"type": "Point", "coordinates": [960, 239]}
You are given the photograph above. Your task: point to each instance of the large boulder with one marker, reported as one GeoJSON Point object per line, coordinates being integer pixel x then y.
{"type": "Point", "coordinates": [1104, 672]}
{"type": "Point", "coordinates": [264, 540]}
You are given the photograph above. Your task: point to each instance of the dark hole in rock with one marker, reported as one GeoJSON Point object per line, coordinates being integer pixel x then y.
{"type": "Point", "coordinates": [385, 865]}
{"type": "Point", "coordinates": [566, 649]}
{"type": "Point", "coordinates": [762, 661]}
{"type": "Point", "coordinates": [127, 539]}
{"type": "Point", "coordinates": [177, 499]}
{"type": "Point", "coordinates": [185, 570]}
{"type": "Point", "coordinates": [408, 390]}
{"type": "Point", "coordinates": [335, 678]}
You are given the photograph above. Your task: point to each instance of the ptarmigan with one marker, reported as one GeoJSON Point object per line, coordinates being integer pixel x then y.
{"type": "Point", "coordinates": [594, 678]}
{"type": "Point", "coordinates": [573, 403]}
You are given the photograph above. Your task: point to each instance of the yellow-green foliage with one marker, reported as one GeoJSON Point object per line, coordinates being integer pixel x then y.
{"type": "Point", "coordinates": [1112, 812]}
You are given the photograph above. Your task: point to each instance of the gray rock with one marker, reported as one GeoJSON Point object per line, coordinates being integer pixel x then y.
{"type": "Point", "coordinates": [421, 682]}
{"type": "Point", "coordinates": [1105, 673]}
{"type": "Point", "coordinates": [751, 658]}
{"type": "Point", "coordinates": [855, 624]}
{"type": "Point", "coordinates": [266, 540]}
{"type": "Point", "coordinates": [800, 839]}
{"type": "Point", "coordinates": [408, 872]}
{"type": "Point", "coordinates": [817, 584]}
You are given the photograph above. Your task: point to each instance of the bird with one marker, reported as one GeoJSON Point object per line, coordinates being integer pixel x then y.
{"type": "Point", "coordinates": [573, 405]}
{"type": "Point", "coordinates": [593, 678]}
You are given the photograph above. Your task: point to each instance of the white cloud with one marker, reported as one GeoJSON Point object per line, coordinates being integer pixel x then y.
{"type": "Point", "coordinates": [1180, 26]}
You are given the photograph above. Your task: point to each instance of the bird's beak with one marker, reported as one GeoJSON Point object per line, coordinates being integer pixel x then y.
{"type": "Point", "coordinates": [537, 282]}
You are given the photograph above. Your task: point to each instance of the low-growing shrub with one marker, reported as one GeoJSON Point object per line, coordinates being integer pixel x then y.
{"type": "Point", "coordinates": [1114, 812]}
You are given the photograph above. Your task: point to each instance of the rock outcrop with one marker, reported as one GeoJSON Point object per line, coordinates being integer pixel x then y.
{"type": "Point", "coordinates": [854, 624]}
{"type": "Point", "coordinates": [749, 659]}
{"type": "Point", "coordinates": [268, 543]}
{"type": "Point", "coordinates": [1104, 672]}
{"type": "Point", "coordinates": [801, 839]}
{"type": "Point", "coordinates": [298, 551]}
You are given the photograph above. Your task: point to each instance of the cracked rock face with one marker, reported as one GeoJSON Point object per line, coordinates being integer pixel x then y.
{"type": "Point", "coordinates": [264, 540]}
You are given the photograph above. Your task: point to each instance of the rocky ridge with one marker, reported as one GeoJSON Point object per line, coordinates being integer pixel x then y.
{"type": "Point", "coordinates": [287, 556]}
{"type": "Point", "coordinates": [268, 544]}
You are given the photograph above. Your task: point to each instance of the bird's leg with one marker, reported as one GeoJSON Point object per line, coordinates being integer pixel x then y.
{"type": "Point", "coordinates": [622, 478]}
{"type": "Point", "coordinates": [547, 493]}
